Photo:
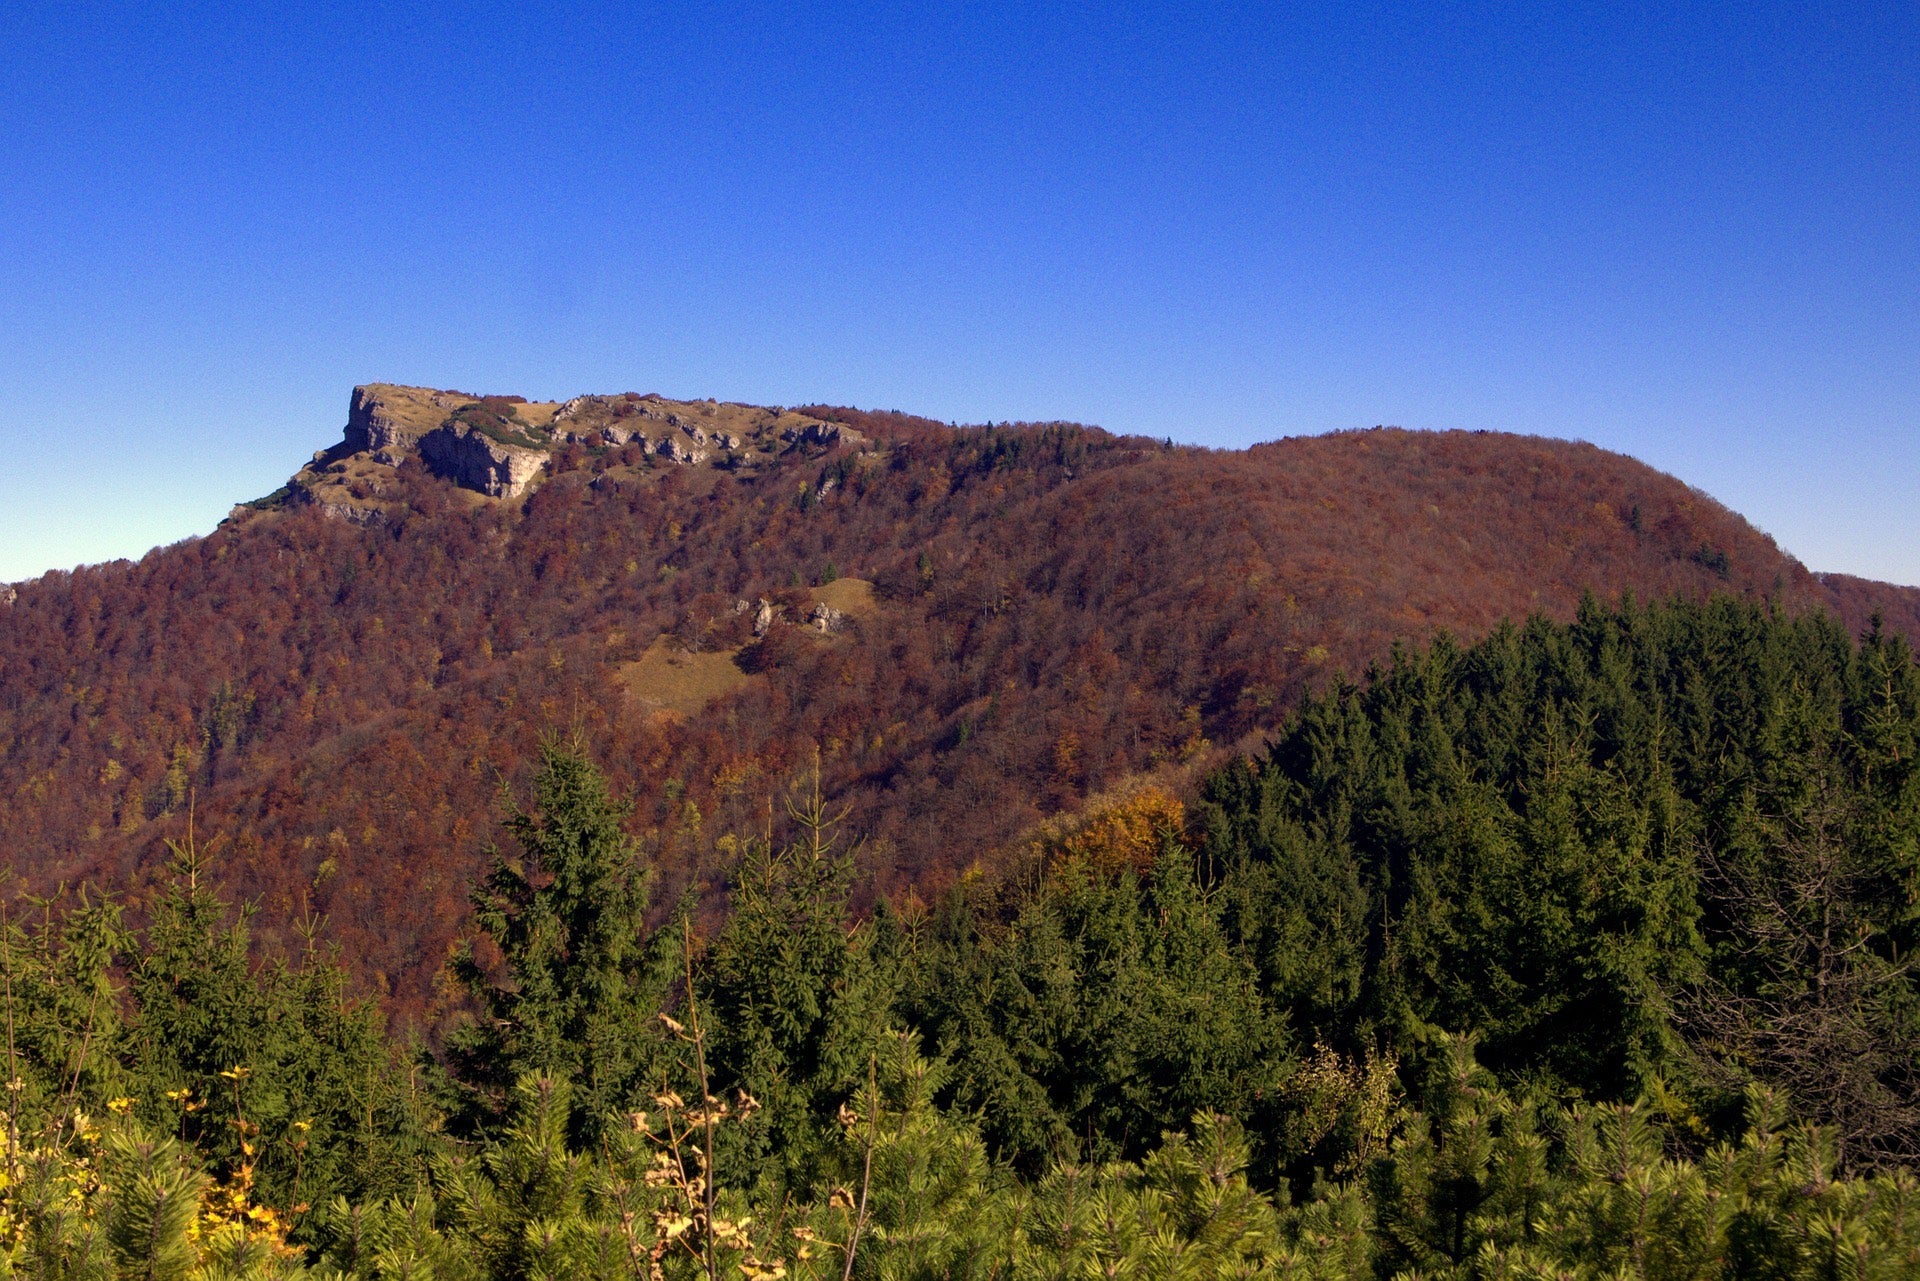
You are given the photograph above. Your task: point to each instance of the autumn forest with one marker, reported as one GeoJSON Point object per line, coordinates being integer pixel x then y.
{"type": "Point", "coordinates": [705, 840]}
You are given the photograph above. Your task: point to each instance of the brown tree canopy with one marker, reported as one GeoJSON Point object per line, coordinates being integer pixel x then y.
{"type": "Point", "coordinates": [1054, 611]}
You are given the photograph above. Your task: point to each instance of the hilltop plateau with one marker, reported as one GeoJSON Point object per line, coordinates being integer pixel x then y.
{"type": "Point", "coordinates": [980, 630]}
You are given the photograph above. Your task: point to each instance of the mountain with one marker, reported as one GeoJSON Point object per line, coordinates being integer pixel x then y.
{"type": "Point", "coordinates": [978, 629]}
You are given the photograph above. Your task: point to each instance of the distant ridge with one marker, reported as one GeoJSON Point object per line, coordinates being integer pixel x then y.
{"type": "Point", "coordinates": [978, 628]}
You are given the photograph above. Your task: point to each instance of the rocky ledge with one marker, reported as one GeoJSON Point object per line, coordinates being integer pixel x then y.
{"type": "Point", "coordinates": [501, 446]}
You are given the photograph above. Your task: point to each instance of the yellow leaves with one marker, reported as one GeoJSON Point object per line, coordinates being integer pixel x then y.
{"type": "Point", "coordinates": [73, 1185]}
{"type": "Point", "coordinates": [1359, 1097]}
{"type": "Point", "coordinates": [736, 775]}
{"type": "Point", "coordinates": [687, 1213]}
{"type": "Point", "coordinates": [1124, 834]}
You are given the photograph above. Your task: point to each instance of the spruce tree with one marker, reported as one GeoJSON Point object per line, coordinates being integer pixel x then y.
{"type": "Point", "coordinates": [580, 977]}
{"type": "Point", "coordinates": [795, 996]}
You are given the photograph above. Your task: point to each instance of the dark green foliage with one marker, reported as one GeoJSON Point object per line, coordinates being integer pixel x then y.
{"type": "Point", "coordinates": [580, 976]}
{"type": "Point", "coordinates": [1592, 845]}
{"type": "Point", "coordinates": [234, 1054]}
{"type": "Point", "coordinates": [498, 419]}
{"type": "Point", "coordinates": [1103, 1010]}
{"type": "Point", "coordinates": [64, 1014]}
{"type": "Point", "coordinates": [796, 995]}
{"type": "Point", "coordinates": [271, 502]}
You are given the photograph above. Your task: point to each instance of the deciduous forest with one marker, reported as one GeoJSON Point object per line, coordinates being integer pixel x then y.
{"type": "Point", "coordinates": [1582, 950]}
{"type": "Point", "coordinates": [1036, 616]}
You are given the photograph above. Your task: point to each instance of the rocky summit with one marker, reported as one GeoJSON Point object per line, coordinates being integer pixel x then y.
{"type": "Point", "coordinates": [500, 446]}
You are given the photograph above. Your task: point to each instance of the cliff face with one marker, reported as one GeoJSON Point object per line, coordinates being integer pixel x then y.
{"type": "Point", "coordinates": [501, 446]}
{"type": "Point", "coordinates": [471, 461]}
{"type": "Point", "coordinates": [388, 421]}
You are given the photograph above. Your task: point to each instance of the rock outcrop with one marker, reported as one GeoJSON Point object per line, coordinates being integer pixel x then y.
{"type": "Point", "coordinates": [335, 500]}
{"type": "Point", "coordinates": [827, 434]}
{"type": "Point", "coordinates": [388, 421]}
{"type": "Point", "coordinates": [674, 451]}
{"type": "Point", "coordinates": [474, 462]}
{"type": "Point", "coordinates": [500, 446]}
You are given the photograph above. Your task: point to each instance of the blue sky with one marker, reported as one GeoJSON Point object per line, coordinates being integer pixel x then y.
{"type": "Point", "coordinates": [1689, 233]}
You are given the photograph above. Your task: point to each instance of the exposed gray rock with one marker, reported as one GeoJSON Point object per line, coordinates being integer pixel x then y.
{"type": "Point", "coordinates": [764, 618]}
{"type": "Point", "coordinates": [353, 513]}
{"type": "Point", "coordinates": [8, 595]}
{"type": "Point", "coordinates": [371, 427]}
{"type": "Point", "coordinates": [472, 461]}
{"type": "Point", "coordinates": [671, 449]}
{"type": "Point", "coordinates": [826, 618]}
{"type": "Point", "coordinates": [827, 434]}
{"type": "Point", "coordinates": [389, 423]}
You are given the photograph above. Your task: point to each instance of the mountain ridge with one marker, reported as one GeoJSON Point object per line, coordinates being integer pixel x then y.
{"type": "Point", "coordinates": [1028, 617]}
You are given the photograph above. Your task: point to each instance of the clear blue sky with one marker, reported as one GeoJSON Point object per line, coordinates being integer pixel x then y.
{"type": "Point", "coordinates": [1687, 232]}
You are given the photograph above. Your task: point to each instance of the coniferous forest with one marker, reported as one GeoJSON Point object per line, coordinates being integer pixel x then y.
{"type": "Point", "coordinates": [1580, 951]}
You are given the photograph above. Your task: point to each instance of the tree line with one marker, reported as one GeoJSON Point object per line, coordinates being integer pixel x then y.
{"type": "Point", "coordinates": [1058, 609]}
{"type": "Point", "coordinates": [1579, 952]}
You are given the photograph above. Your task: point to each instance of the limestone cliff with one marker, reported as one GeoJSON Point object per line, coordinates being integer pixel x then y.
{"type": "Point", "coordinates": [387, 421]}
{"type": "Point", "coordinates": [469, 459]}
{"type": "Point", "coordinates": [501, 446]}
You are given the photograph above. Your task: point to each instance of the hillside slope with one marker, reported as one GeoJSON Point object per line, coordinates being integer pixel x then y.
{"type": "Point", "coordinates": [977, 628]}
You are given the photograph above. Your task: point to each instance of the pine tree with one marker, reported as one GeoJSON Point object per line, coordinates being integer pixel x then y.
{"type": "Point", "coordinates": [795, 995]}
{"type": "Point", "coordinates": [580, 976]}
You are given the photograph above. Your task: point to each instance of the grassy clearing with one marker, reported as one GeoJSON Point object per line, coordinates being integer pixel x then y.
{"type": "Point", "coordinates": [669, 679]}
{"type": "Point", "coordinates": [852, 596]}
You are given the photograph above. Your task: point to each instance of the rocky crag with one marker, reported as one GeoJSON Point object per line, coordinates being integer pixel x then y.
{"type": "Point", "coordinates": [500, 447]}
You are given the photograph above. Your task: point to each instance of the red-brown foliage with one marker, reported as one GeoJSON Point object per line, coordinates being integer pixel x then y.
{"type": "Point", "coordinates": [1059, 609]}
